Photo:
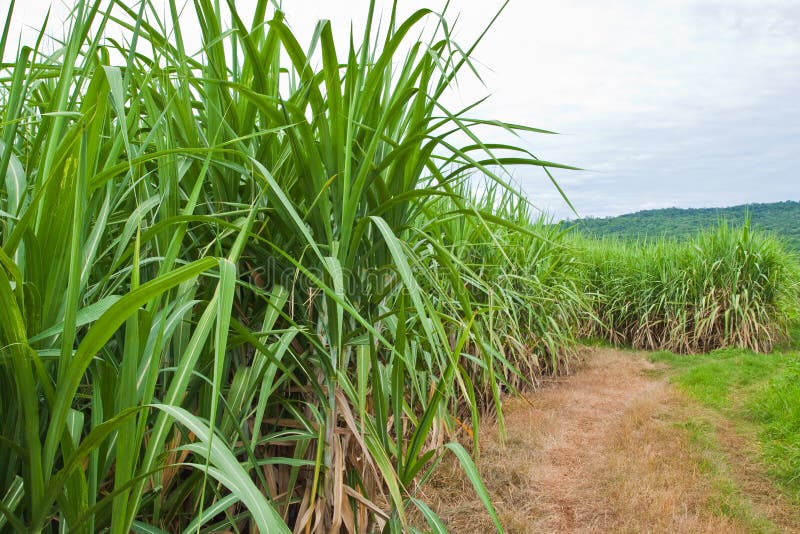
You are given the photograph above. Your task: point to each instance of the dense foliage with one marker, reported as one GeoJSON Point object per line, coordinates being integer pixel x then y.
{"type": "Point", "coordinates": [255, 287]}
{"type": "Point", "coordinates": [778, 218]}
{"type": "Point", "coordinates": [724, 287]}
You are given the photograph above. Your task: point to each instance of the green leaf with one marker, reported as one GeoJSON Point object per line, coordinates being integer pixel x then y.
{"type": "Point", "coordinates": [98, 335]}
{"type": "Point", "coordinates": [475, 479]}
{"type": "Point", "coordinates": [227, 470]}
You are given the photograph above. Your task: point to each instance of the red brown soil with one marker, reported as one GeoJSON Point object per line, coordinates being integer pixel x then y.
{"type": "Point", "coordinates": [609, 449]}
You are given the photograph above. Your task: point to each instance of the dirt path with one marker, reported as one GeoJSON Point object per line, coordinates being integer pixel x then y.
{"type": "Point", "coordinates": [614, 448]}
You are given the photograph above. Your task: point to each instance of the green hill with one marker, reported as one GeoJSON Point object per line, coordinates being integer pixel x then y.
{"type": "Point", "coordinates": [781, 218]}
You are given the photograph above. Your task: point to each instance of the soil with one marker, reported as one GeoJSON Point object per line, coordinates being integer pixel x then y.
{"type": "Point", "coordinates": [614, 448]}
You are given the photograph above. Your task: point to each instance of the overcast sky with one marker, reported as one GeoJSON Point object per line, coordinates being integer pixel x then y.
{"type": "Point", "coordinates": [687, 103]}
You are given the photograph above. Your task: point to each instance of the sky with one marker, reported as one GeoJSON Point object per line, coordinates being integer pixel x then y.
{"type": "Point", "coordinates": [664, 103]}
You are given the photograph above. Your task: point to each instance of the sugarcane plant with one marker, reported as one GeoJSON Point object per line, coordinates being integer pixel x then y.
{"type": "Point", "coordinates": [228, 297]}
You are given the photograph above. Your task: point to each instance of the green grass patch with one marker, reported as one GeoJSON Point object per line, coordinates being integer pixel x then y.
{"type": "Point", "coordinates": [754, 390]}
{"type": "Point", "coordinates": [776, 409]}
{"type": "Point", "coordinates": [722, 378]}
{"type": "Point", "coordinates": [726, 499]}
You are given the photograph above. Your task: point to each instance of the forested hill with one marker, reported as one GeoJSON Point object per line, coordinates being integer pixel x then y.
{"type": "Point", "coordinates": [781, 218]}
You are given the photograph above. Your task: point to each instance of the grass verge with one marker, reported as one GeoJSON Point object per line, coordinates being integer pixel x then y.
{"type": "Point", "coordinates": [758, 394]}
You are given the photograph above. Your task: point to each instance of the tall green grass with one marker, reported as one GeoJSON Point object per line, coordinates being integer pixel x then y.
{"type": "Point", "coordinates": [523, 276]}
{"type": "Point", "coordinates": [726, 287]}
{"type": "Point", "coordinates": [252, 288]}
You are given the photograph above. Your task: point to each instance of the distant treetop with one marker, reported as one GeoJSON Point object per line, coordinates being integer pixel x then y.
{"type": "Point", "coordinates": [780, 218]}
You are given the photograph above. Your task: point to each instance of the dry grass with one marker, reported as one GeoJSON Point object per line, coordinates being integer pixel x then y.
{"type": "Point", "coordinates": [740, 446]}
{"type": "Point", "coordinates": [612, 448]}
{"type": "Point", "coordinates": [655, 478]}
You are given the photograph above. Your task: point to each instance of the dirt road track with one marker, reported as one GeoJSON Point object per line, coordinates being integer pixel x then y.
{"type": "Point", "coordinates": [614, 448]}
